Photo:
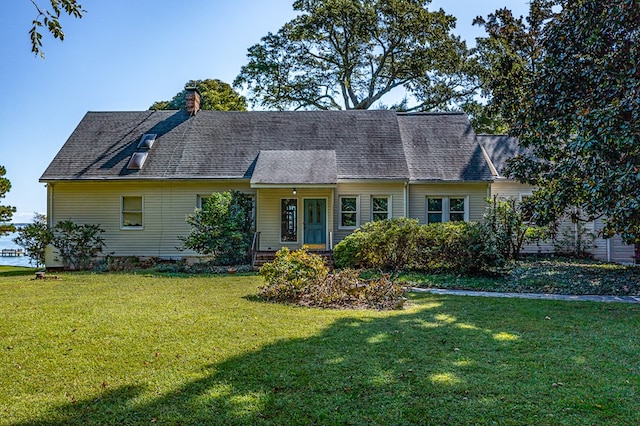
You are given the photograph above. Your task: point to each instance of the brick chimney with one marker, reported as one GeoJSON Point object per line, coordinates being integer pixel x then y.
{"type": "Point", "coordinates": [192, 100]}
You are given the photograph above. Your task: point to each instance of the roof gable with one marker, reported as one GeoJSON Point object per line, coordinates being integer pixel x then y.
{"type": "Point", "coordinates": [442, 147]}
{"type": "Point", "coordinates": [295, 167]}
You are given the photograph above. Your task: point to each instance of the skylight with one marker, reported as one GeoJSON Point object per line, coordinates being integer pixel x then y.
{"type": "Point", "coordinates": [137, 160]}
{"type": "Point", "coordinates": [147, 140]}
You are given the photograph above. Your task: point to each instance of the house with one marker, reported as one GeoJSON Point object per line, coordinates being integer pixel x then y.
{"type": "Point", "coordinates": [315, 176]}
{"type": "Point", "coordinates": [498, 149]}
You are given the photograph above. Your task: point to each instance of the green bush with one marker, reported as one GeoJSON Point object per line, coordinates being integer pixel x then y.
{"type": "Point", "coordinates": [403, 244]}
{"type": "Point", "coordinates": [460, 247]}
{"type": "Point", "coordinates": [302, 277]}
{"type": "Point", "coordinates": [34, 238]}
{"type": "Point", "coordinates": [221, 229]}
{"type": "Point", "coordinates": [290, 273]}
{"type": "Point", "coordinates": [388, 244]}
{"type": "Point", "coordinates": [78, 245]}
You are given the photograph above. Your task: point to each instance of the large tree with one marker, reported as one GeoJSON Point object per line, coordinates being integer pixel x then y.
{"type": "Point", "coordinates": [509, 56]}
{"type": "Point", "coordinates": [581, 119]}
{"type": "Point", "coordinates": [50, 19]}
{"type": "Point", "coordinates": [348, 54]}
{"type": "Point", "coordinates": [214, 95]}
{"type": "Point", "coordinates": [6, 212]}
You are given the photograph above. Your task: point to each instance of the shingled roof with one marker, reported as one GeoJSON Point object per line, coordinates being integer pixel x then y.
{"type": "Point", "coordinates": [215, 145]}
{"type": "Point", "coordinates": [499, 149]}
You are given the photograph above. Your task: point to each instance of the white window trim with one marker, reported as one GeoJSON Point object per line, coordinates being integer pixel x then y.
{"type": "Point", "coordinates": [446, 207]}
{"type": "Point", "coordinates": [389, 206]}
{"type": "Point", "coordinates": [122, 225]}
{"type": "Point", "coordinates": [340, 211]}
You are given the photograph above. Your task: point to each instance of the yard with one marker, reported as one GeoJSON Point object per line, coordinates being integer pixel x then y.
{"type": "Point", "coordinates": [153, 348]}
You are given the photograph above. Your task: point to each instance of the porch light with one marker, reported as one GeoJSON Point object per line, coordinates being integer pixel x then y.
{"type": "Point", "coordinates": [294, 191]}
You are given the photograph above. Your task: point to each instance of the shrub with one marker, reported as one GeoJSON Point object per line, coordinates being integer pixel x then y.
{"type": "Point", "coordinates": [511, 226]}
{"type": "Point", "coordinates": [78, 245]}
{"type": "Point", "coordinates": [290, 273]}
{"type": "Point", "coordinates": [403, 244]}
{"type": "Point", "coordinates": [34, 238]}
{"type": "Point", "coordinates": [221, 229]}
{"type": "Point", "coordinates": [302, 277]}
{"type": "Point", "coordinates": [389, 244]}
{"type": "Point", "coordinates": [461, 247]}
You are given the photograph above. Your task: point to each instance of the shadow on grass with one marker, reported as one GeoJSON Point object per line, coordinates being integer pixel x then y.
{"type": "Point", "coordinates": [16, 271]}
{"type": "Point", "coordinates": [436, 365]}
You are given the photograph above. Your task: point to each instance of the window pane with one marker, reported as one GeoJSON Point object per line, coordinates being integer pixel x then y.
{"type": "Point", "coordinates": [348, 204]}
{"type": "Point", "coordinates": [132, 204]}
{"type": "Point", "coordinates": [456, 204]}
{"type": "Point", "coordinates": [434, 205]}
{"type": "Point", "coordinates": [381, 204]}
{"type": "Point", "coordinates": [380, 216]}
{"type": "Point", "coordinates": [289, 220]}
{"type": "Point", "coordinates": [456, 217]}
{"type": "Point", "coordinates": [131, 219]}
{"type": "Point", "coordinates": [348, 219]}
{"type": "Point", "coordinates": [434, 218]}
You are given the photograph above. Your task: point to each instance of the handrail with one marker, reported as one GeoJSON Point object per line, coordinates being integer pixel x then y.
{"type": "Point", "coordinates": [255, 245]}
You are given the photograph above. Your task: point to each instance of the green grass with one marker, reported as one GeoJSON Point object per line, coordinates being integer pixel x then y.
{"type": "Point", "coordinates": [152, 349]}
{"type": "Point", "coordinates": [556, 276]}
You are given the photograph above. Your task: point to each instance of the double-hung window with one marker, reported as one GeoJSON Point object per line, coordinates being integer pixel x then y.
{"type": "Point", "coordinates": [380, 208]}
{"type": "Point", "coordinates": [349, 211]}
{"type": "Point", "coordinates": [131, 212]}
{"type": "Point", "coordinates": [447, 209]}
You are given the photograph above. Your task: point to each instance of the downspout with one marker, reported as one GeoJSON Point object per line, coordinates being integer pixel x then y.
{"type": "Point", "coordinates": [406, 199]}
{"type": "Point", "coordinates": [50, 204]}
{"type": "Point", "coordinates": [608, 249]}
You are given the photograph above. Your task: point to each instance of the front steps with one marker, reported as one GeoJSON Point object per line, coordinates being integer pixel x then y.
{"type": "Point", "coordinates": [263, 257]}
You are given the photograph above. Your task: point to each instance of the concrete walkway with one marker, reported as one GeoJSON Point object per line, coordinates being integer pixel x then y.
{"type": "Point", "coordinates": [591, 298]}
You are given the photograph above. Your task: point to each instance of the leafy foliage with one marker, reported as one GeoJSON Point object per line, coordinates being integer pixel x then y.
{"type": "Point", "coordinates": [581, 117]}
{"type": "Point", "coordinates": [214, 95]}
{"type": "Point", "coordinates": [290, 273]}
{"type": "Point", "coordinates": [350, 53]}
{"type": "Point", "coordinates": [511, 226]}
{"type": "Point", "coordinates": [403, 244]}
{"type": "Point", "coordinates": [571, 276]}
{"type": "Point", "coordinates": [389, 245]}
{"type": "Point", "coordinates": [302, 277]}
{"type": "Point", "coordinates": [221, 229]}
{"type": "Point", "coordinates": [6, 212]}
{"type": "Point", "coordinates": [508, 57]}
{"type": "Point", "coordinates": [35, 237]}
{"type": "Point", "coordinates": [50, 19]}
{"type": "Point", "coordinates": [78, 245]}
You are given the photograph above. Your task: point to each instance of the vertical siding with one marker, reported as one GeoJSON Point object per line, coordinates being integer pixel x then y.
{"type": "Point", "coordinates": [477, 194]}
{"type": "Point", "coordinates": [365, 191]}
{"type": "Point", "coordinates": [268, 218]}
{"type": "Point", "coordinates": [166, 205]}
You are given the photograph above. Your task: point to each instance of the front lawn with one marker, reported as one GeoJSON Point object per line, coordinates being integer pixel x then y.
{"type": "Point", "coordinates": [556, 276]}
{"type": "Point", "coordinates": [157, 349]}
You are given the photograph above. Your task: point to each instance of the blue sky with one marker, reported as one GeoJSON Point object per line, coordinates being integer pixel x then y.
{"type": "Point", "coordinates": [122, 56]}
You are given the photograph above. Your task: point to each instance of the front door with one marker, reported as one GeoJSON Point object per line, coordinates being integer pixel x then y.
{"type": "Point", "coordinates": [315, 222]}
